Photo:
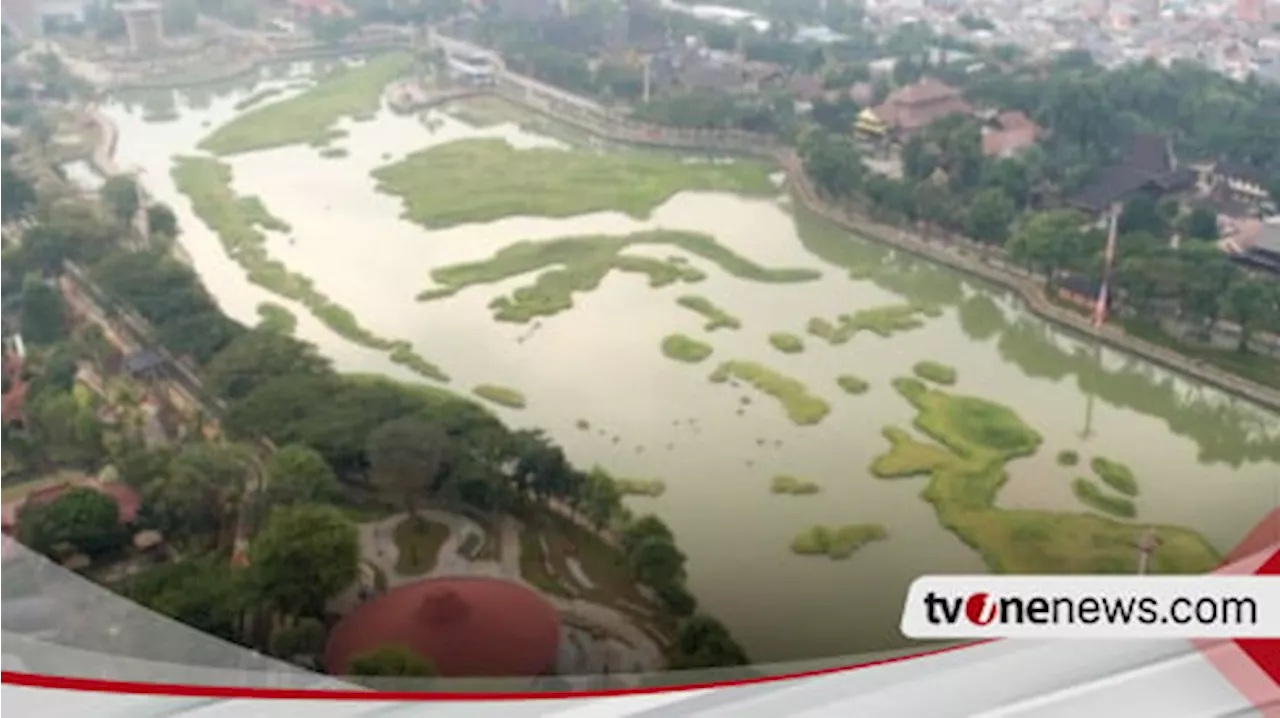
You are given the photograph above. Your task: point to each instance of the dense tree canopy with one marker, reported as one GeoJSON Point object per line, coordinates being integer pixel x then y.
{"type": "Point", "coordinates": [304, 555]}
{"type": "Point", "coordinates": [83, 519]}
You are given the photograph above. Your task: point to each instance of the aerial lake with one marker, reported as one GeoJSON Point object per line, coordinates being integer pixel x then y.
{"type": "Point", "coordinates": [596, 379]}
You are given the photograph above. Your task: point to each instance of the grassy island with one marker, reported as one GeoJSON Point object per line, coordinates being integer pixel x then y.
{"type": "Point", "coordinates": [837, 543]}
{"type": "Point", "coordinates": [239, 223]}
{"type": "Point", "coordinates": [685, 349]}
{"type": "Point", "coordinates": [333, 153]}
{"type": "Point", "coordinates": [501, 395]}
{"type": "Point", "coordinates": [716, 317]}
{"type": "Point", "coordinates": [1095, 497]}
{"type": "Point", "coordinates": [793, 486]}
{"type": "Point", "coordinates": [851, 384]}
{"type": "Point", "coordinates": [572, 265]}
{"type": "Point", "coordinates": [1068, 457]}
{"type": "Point", "coordinates": [881, 321]}
{"type": "Point", "coordinates": [258, 98]}
{"type": "Point", "coordinates": [802, 407]}
{"type": "Point", "coordinates": [481, 180]}
{"type": "Point", "coordinates": [907, 456]}
{"type": "Point", "coordinates": [309, 117]}
{"type": "Point", "coordinates": [980, 438]}
{"type": "Point", "coordinates": [1116, 475]}
{"type": "Point", "coordinates": [651, 488]}
{"type": "Point", "coordinates": [276, 318]}
{"type": "Point", "coordinates": [786, 343]}
{"type": "Point", "coordinates": [935, 372]}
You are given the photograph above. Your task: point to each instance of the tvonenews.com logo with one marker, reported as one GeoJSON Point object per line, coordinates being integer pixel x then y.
{"type": "Point", "coordinates": [1091, 606]}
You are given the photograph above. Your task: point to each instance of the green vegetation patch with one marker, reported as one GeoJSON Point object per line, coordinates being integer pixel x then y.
{"type": "Point", "coordinates": [793, 486]}
{"type": "Point", "coordinates": [981, 438]}
{"type": "Point", "coordinates": [258, 98]}
{"type": "Point", "coordinates": [333, 153]}
{"type": "Point", "coordinates": [579, 264]}
{"type": "Point", "coordinates": [418, 542]}
{"type": "Point", "coordinates": [1116, 475]}
{"type": "Point", "coordinates": [802, 407]}
{"type": "Point", "coordinates": [1068, 457]}
{"type": "Point", "coordinates": [935, 372]}
{"type": "Point", "coordinates": [907, 456]}
{"type": "Point", "coordinates": [239, 223]}
{"type": "Point", "coordinates": [881, 321]}
{"type": "Point", "coordinates": [505, 396]}
{"type": "Point", "coordinates": [309, 117]}
{"type": "Point", "coordinates": [652, 488]}
{"type": "Point", "coordinates": [716, 317]}
{"type": "Point", "coordinates": [276, 318]}
{"type": "Point", "coordinates": [481, 180]}
{"type": "Point", "coordinates": [837, 543]}
{"type": "Point", "coordinates": [1095, 497]}
{"type": "Point", "coordinates": [852, 384]}
{"type": "Point", "coordinates": [686, 349]}
{"type": "Point", "coordinates": [786, 343]}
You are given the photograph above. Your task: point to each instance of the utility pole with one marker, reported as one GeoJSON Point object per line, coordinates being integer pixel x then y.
{"type": "Point", "coordinates": [1147, 546]}
{"type": "Point", "coordinates": [648, 79]}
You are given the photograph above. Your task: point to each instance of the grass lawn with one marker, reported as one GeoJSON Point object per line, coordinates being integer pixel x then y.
{"type": "Point", "coordinates": [505, 396]}
{"type": "Point", "coordinates": [481, 180]}
{"type": "Point", "coordinates": [418, 542]}
{"type": "Point", "coordinates": [309, 118]}
{"type": "Point", "coordinates": [613, 583]}
{"type": "Point", "coordinates": [684, 348]}
{"type": "Point", "coordinates": [716, 317]}
{"type": "Point", "coordinates": [802, 407]}
{"type": "Point", "coordinates": [239, 223]}
{"type": "Point", "coordinates": [534, 567]}
{"type": "Point", "coordinates": [882, 321]}
{"type": "Point", "coordinates": [838, 542]}
{"type": "Point", "coordinates": [935, 372]}
{"type": "Point", "coordinates": [980, 438]}
{"type": "Point", "coordinates": [793, 486]}
{"type": "Point", "coordinates": [571, 265]}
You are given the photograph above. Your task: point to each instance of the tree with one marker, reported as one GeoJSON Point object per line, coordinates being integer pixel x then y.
{"type": "Point", "coordinates": [644, 529]}
{"type": "Point", "coordinates": [1048, 241]}
{"type": "Point", "coordinates": [657, 562]}
{"type": "Point", "coordinates": [1248, 302]}
{"type": "Point", "coordinates": [392, 660]}
{"type": "Point", "coordinates": [257, 356]}
{"type": "Point", "coordinates": [121, 195]}
{"type": "Point", "coordinates": [1201, 223]}
{"type": "Point", "coordinates": [203, 592]}
{"type": "Point", "coordinates": [704, 642]}
{"type": "Point", "coordinates": [201, 488]}
{"type": "Point", "coordinates": [17, 195]}
{"type": "Point", "coordinates": [304, 638]}
{"type": "Point", "coordinates": [161, 220]}
{"type": "Point", "coordinates": [299, 474]}
{"type": "Point", "coordinates": [304, 555]}
{"type": "Point", "coordinates": [137, 465]}
{"type": "Point", "coordinates": [405, 458]}
{"type": "Point", "coordinates": [68, 433]}
{"type": "Point", "coordinates": [84, 519]}
{"type": "Point", "coordinates": [44, 313]}
{"type": "Point", "coordinates": [990, 215]}
{"type": "Point", "coordinates": [180, 16]}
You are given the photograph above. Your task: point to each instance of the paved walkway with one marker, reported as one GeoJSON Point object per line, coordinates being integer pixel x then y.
{"type": "Point", "coordinates": [378, 548]}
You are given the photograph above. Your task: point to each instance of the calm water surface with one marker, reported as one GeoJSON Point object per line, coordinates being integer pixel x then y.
{"type": "Point", "coordinates": [1205, 460]}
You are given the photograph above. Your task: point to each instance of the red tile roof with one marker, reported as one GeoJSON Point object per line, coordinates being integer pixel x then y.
{"type": "Point", "coordinates": [467, 626]}
{"type": "Point", "coordinates": [921, 104]}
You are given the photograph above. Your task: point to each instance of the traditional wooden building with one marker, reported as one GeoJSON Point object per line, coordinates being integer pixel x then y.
{"type": "Point", "coordinates": [912, 108]}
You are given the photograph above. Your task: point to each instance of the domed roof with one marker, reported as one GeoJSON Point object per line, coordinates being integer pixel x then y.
{"type": "Point", "coordinates": [467, 626]}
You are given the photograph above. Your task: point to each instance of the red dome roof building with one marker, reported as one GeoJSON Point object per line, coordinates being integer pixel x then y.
{"type": "Point", "coordinates": [466, 626]}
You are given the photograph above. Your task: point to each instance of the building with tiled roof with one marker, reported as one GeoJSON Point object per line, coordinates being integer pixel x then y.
{"type": "Point", "coordinates": [1010, 133]}
{"type": "Point", "coordinates": [466, 626]}
{"type": "Point", "coordinates": [919, 105]}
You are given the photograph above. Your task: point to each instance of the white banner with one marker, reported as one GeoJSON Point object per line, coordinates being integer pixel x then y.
{"type": "Point", "coordinates": [1144, 607]}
